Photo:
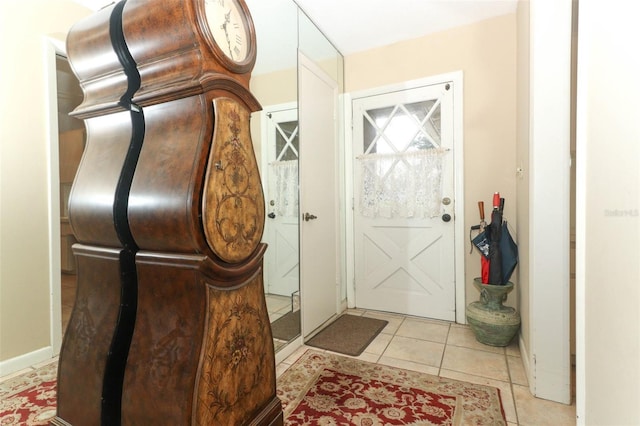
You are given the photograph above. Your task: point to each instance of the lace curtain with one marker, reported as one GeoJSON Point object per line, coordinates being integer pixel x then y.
{"type": "Point", "coordinates": [401, 185]}
{"type": "Point", "coordinates": [286, 190]}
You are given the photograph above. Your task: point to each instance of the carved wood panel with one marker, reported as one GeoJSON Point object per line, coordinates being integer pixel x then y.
{"type": "Point", "coordinates": [233, 205]}
{"type": "Point", "coordinates": [237, 375]}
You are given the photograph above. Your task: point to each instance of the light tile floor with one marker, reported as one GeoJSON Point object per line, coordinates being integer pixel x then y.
{"type": "Point", "coordinates": [451, 350]}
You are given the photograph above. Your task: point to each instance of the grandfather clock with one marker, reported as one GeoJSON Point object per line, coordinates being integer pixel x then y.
{"type": "Point", "coordinates": [201, 350]}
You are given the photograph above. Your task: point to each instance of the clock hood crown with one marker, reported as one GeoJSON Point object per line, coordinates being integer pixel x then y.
{"type": "Point", "coordinates": [177, 54]}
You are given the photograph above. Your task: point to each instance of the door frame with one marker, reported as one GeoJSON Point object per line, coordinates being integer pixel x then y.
{"type": "Point", "coordinates": [52, 48]}
{"type": "Point", "coordinates": [456, 79]}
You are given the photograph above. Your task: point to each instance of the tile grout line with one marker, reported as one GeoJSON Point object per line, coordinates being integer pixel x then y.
{"type": "Point", "coordinates": [513, 394]}
{"type": "Point", "coordinates": [444, 350]}
{"type": "Point", "coordinates": [389, 342]}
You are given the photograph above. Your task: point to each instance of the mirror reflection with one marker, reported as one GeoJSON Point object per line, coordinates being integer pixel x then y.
{"type": "Point", "coordinates": [282, 29]}
{"type": "Point", "coordinates": [282, 271]}
{"type": "Point", "coordinates": [315, 46]}
{"type": "Point", "coordinates": [276, 139]}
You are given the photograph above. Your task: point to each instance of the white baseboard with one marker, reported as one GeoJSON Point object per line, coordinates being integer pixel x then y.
{"type": "Point", "coordinates": [27, 360]}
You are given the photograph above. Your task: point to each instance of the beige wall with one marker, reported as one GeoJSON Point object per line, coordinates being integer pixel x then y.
{"type": "Point", "coordinates": [24, 171]}
{"type": "Point", "coordinates": [276, 87]}
{"type": "Point", "coordinates": [486, 53]}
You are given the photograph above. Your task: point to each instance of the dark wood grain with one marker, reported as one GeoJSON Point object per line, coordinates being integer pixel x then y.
{"type": "Point", "coordinates": [103, 81]}
{"type": "Point", "coordinates": [166, 346]}
{"type": "Point", "coordinates": [165, 197]}
{"type": "Point", "coordinates": [87, 340]}
{"type": "Point", "coordinates": [91, 207]}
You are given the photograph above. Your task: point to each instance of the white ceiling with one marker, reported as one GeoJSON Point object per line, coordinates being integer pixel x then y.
{"type": "Point", "coordinates": [358, 25]}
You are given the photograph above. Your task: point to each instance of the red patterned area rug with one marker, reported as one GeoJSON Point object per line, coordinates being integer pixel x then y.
{"type": "Point", "coordinates": [29, 399]}
{"type": "Point", "coordinates": [326, 389]}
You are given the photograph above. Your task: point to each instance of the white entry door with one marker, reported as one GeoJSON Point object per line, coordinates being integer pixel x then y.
{"type": "Point", "coordinates": [319, 236]}
{"type": "Point", "coordinates": [404, 202]}
{"type": "Point", "coordinates": [282, 269]}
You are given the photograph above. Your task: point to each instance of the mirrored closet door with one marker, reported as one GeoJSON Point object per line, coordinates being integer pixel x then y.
{"type": "Point", "coordinates": [282, 30]}
{"type": "Point", "coordinates": [276, 140]}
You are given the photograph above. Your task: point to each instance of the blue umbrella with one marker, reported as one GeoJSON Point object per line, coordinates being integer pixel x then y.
{"type": "Point", "coordinates": [497, 245]}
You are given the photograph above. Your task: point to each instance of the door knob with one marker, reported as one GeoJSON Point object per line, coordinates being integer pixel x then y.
{"type": "Point", "coordinates": [307, 217]}
{"type": "Point", "coordinates": [446, 217]}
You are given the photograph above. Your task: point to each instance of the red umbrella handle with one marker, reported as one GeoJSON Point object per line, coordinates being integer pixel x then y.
{"type": "Point", "coordinates": [484, 268]}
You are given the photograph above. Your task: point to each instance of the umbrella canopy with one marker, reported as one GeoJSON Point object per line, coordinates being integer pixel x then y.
{"type": "Point", "coordinates": [507, 248]}
{"type": "Point", "coordinates": [495, 255]}
{"type": "Point", "coordinates": [509, 251]}
{"type": "Point", "coordinates": [498, 249]}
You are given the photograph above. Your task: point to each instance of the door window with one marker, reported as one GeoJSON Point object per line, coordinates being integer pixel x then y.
{"type": "Point", "coordinates": [401, 168]}
{"type": "Point", "coordinates": [402, 128]}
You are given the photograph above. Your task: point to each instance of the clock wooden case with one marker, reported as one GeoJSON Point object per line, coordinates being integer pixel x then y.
{"type": "Point", "coordinates": [201, 350]}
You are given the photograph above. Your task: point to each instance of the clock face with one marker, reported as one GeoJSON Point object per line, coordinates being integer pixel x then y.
{"type": "Point", "coordinates": [229, 28]}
